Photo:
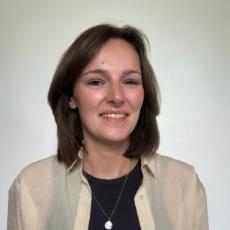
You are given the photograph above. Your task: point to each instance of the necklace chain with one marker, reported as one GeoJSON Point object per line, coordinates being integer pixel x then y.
{"type": "Point", "coordinates": [115, 206]}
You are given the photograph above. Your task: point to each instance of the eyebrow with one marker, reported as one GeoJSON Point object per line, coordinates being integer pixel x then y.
{"type": "Point", "coordinates": [127, 72]}
{"type": "Point", "coordinates": [104, 72]}
{"type": "Point", "coordinates": [98, 71]}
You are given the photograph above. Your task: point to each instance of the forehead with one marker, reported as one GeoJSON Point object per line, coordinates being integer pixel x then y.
{"type": "Point", "coordinates": [115, 53]}
{"type": "Point", "coordinates": [117, 44]}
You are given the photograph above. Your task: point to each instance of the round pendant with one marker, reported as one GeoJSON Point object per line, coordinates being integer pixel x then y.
{"type": "Point", "coordinates": [108, 224]}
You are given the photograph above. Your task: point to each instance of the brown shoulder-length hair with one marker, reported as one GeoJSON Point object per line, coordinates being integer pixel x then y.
{"type": "Point", "coordinates": [145, 137]}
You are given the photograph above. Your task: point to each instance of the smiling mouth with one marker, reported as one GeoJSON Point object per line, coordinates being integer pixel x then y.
{"type": "Point", "coordinates": [114, 115]}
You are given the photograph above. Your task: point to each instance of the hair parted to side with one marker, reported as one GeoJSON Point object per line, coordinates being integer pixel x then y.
{"type": "Point", "coordinates": [145, 137]}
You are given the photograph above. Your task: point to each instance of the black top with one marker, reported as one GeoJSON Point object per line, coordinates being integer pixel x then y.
{"type": "Point", "coordinates": [107, 192]}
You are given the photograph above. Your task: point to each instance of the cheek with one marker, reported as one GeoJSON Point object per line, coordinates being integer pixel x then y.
{"type": "Point", "coordinates": [137, 99]}
{"type": "Point", "coordinates": [88, 101]}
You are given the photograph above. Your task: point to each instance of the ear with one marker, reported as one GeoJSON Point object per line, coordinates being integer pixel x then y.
{"type": "Point", "coordinates": [72, 103]}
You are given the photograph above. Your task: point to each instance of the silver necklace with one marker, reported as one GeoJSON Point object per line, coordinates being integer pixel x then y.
{"type": "Point", "coordinates": [108, 223]}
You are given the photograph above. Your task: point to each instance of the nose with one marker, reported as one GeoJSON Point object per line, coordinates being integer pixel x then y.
{"type": "Point", "coordinates": [115, 94]}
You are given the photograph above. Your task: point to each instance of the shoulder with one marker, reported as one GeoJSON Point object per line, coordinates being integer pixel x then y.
{"type": "Point", "coordinates": [40, 173]}
{"type": "Point", "coordinates": [176, 179]}
{"type": "Point", "coordinates": [170, 171]}
{"type": "Point", "coordinates": [42, 166]}
{"type": "Point", "coordinates": [170, 164]}
{"type": "Point", "coordinates": [158, 163]}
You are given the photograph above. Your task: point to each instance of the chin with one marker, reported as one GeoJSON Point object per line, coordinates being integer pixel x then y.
{"type": "Point", "coordinates": [113, 139]}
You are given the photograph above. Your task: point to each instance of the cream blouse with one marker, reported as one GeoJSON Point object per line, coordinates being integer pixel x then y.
{"type": "Point", "coordinates": [47, 195]}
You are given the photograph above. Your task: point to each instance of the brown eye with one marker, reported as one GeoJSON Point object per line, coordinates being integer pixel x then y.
{"type": "Point", "coordinates": [95, 83]}
{"type": "Point", "coordinates": [131, 82]}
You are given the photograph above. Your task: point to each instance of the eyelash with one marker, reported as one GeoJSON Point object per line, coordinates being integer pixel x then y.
{"type": "Point", "coordinates": [128, 82]}
{"type": "Point", "coordinates": [132, 82]}
{"type": "Point", "coordinates": [96, 82]}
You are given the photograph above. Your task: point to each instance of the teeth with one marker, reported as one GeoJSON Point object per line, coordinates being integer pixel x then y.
{"type": "Point", "coordinates": [114, 115]}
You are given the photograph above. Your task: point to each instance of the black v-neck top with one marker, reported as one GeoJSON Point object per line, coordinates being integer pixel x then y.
{"type": "Point", "coordinates": [107, 192]}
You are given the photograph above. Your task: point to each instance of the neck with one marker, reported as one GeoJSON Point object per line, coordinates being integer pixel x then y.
{"type": "Point", "coordinates": [106, 162]}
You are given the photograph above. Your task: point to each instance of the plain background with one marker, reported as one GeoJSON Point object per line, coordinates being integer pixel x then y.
{"type": "Point", "coordinates": [190, 53]}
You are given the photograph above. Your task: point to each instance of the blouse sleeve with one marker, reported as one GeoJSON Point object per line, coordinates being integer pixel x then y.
{"type": "Point", "coordinates": [14, 207]}
{"type": "Point", "coordinates": [200, 220]}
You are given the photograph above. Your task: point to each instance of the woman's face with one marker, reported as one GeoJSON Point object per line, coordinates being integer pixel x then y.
{"type": "Point", "coordinates": [109, 94]}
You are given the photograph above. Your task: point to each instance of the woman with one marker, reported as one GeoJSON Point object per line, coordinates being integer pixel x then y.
{"type": "Point", "coordinates": [107, 174]}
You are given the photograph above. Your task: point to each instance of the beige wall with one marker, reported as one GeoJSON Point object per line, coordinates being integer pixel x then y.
{"type": "Point", "coordinates": [190, 52]}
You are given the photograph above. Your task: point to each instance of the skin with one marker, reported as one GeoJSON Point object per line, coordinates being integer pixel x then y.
{"type": "Point", "coordinates": [109, 95]}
